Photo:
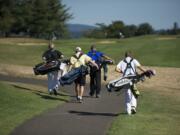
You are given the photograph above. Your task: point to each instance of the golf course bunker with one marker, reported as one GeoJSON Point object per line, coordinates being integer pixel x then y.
{"type": "Point", "coordinates": [106, 42]}
{"type": "Point", "coordinates": [166, 38]}
{"type": "Point", "coordinates": [30, 44]}
{"type": "Point", "coordinates": [23, 41]}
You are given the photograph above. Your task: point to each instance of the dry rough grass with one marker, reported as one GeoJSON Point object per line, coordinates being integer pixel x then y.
{"type": "Point", "coordinates": [106, 42]}
{"type": "Point", "coordinates": [23, 41]}
{"type": "Point", "coordinates": [16, 70]}
{"type": "Point", "coordinates": [166, 38]}
{"type": "Point", "coordinates": [167, 80]}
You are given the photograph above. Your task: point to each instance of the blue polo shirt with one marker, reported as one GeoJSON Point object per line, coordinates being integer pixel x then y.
{"type": "Point", "coordinates": [95, 55]}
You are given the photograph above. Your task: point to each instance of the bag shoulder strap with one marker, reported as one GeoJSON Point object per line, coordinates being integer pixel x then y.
{"type": "Point", "coordinates": [77, 58]}
{"type": "Point", "coordinates": [128, 66]}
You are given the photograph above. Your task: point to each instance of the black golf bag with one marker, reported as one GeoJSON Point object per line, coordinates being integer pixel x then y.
{"type": "Point", "coordinates": [103, 64]}
{"type": "Point", "coordinates": [46, 67]}
{"type": "Point", "coordinates": [130, 80]}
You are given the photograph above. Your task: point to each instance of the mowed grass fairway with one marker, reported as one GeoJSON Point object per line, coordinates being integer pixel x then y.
{"type": "Point", "coordinates": [158, 110]}
{"type": "Point", "coordinates": [19, 102]}
{"type": "Point", "coordinates": [158, 114]}
{"type": "Point", "coordinates": [150, 50]}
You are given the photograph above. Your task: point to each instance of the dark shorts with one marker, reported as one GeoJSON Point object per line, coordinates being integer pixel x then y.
{"type": "Point", "coordinates": [81, 80]}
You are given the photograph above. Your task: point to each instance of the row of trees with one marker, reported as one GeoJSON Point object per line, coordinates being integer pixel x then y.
{"type": "Point", "coordinates": [118, 29]}
{"type": "Point", "coordinates": [174, 31]}
{"type": "Point", "coordinates": [35, 18]}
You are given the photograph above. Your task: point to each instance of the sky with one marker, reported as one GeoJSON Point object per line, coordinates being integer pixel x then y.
{"type": "Point", "coordinates": [161, 14]}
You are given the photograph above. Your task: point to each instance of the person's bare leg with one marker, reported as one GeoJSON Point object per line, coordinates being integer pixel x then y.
{"type": "Point", "coordinates": [77, 89]}
{"type": "Point", "coordinates": [81, 91]}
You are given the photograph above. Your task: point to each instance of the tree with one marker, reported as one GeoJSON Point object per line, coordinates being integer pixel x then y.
{"type": "Point", "coordinates": [130, 30]}
{"type": "Point", "coordinates": [23, 15]}
{"type": "Point", "coordinates": [103, 30]}
{"type": "Point", "coordinates": [115, 29]}
{"type": "Point", "coordinates": [175, 28]}
{"type": "Point", "coordinates": [37, 18]}
{"type": "Point", "coordinates": [49, 18]}
{"type": "Point", "coordinates": [118, 29]}
{"type": "Point", "coordinates": [6, 16]}
{"type": "Point", "coordinates": [144, 29]}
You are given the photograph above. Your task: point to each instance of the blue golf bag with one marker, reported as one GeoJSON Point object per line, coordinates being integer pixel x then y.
{"type": "Point", "coordinates": [73, 75]}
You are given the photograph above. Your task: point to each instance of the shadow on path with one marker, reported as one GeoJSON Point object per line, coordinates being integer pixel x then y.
{"type": "Point", "coordinates": [92, 117]}
{"type": "Point", "coordinates": [83, 113]}
{"type": "Point", "coordinates": [42, 94]}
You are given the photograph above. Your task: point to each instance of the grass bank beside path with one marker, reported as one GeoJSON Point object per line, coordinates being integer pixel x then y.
{"type": "Point", "coordinates": [20, 102]}
{"type": "Point", "coordinates": [158, 114]}
{"type": "Point", "coordinates": [20, 71]}
{"type": "Point", "coordinates": [150, 50]}
{"type": "Point", "coordinates": [158, 107]}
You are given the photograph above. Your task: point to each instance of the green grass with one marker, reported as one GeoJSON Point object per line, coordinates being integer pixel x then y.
{"type": "Point", "coordinates": [147, 49]}
{"type": "Point", "coordinates": [158, 114]}
{"type": "Point", "coordinates": [21, 102]}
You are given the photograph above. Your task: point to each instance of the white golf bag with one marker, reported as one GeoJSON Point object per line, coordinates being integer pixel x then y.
{"type": "Point", "coordinates": [129, 80]}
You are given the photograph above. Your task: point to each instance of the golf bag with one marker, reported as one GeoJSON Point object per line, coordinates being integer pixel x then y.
{"type": "Point", "coordinates": [129, 80]}
{"type": "Point", "coordinates": [107, 62]}
{"type": "Point", "coordinates": [44, 68]}
{"type": "Point", "coordinates": [104, 65]}
{"type": "Point", "coordinates": [72, 75]}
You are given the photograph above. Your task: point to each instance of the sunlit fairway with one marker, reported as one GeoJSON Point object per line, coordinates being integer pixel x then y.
{"type": "Point", "coordinates": [150, 50]}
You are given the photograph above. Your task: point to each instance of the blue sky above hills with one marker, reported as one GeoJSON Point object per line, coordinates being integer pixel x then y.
{"type": "Point", "coordinates": [159, 13]}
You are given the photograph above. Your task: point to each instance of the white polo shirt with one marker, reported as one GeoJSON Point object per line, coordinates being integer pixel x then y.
{"type": "Point", "coordinates": [134, 63]}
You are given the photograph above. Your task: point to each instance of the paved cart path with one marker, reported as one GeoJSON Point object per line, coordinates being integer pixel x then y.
{"type": "Point", "coordinates": [92, 117]}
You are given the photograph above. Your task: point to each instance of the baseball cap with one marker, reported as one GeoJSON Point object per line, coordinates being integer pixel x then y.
{"type": "Point", "coordinates": [78, 49]}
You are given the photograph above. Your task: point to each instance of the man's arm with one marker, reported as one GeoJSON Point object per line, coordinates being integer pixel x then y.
{"type": "Point", "coordinates": [108, 58]}
{"type": "Point", "coordinates": [138, 65]}
{"type": "Point", "coordinates": [141, 68]}
{"type": "Point", "coordinates": [71, 62]}
{"type": "Point", "coordinates": [118, 70]}
{"type": "Point", "coordinates": [94, 64]}
{"type": "Point", "coordinates": [60, 55]}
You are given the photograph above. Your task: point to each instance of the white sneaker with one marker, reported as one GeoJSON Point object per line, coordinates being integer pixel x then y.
{"type": "Point", "coordinates": [50, 91]}
{"type": "Point", "coordinates": [56, 87]}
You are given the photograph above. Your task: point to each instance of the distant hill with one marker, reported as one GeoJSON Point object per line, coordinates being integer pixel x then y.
{"type": "Point", "coordinates": [77, 30]}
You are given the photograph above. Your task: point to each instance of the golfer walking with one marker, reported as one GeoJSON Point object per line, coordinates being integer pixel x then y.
{"type": "Point", "coordinates": [52, 55]}
{"type": "Point", "coordinates": [128, 66]}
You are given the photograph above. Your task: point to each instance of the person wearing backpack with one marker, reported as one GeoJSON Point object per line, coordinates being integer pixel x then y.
{"type": "Point", "coordinates": [128, 66]}
{"type": "Point", "coordinates": [77, 60]}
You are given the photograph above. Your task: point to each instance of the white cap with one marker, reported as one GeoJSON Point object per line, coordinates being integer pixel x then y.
{"type": "Point", "coordinates": [78, 49]}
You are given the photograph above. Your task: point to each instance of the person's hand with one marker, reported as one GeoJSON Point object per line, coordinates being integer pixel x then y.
{"type": "Point", "coordinates": [44, 58]}
{"type": "Point", "coordinates": [62, 56]}
{"type": "Point", "coordinates": [113, 61]}
{"type": "Point", "coordinates": [94, 64]}
{"type": "Point", "coordinates": [97, 66]}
